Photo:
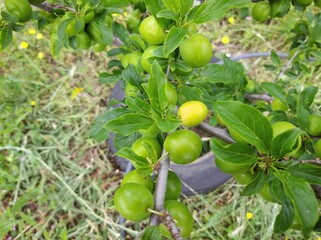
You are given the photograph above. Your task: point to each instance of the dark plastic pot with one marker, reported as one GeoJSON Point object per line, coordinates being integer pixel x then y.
{"type": "Point", "coordinates": [201, 176]}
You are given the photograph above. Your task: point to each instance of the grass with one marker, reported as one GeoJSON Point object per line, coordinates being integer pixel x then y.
{"type": "Point", "coordinates": [57, 183]}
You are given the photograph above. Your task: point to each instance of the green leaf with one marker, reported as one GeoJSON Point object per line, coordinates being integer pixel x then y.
{"type": "Point", "coordinates": [230, 72]}
{"type": "Point", "coordinates": [131, 76]}
{"type": "Point", "coordinates": [145, 171]}
{"type": "Point", "coordinates": [186, 6]}
{"type": "Point", "coordinates": [125, 141]}
{"type": "Point", "coordinates": [216, 9]}
{"type": "Point", "coordinates": [309, 172]}
{"type": "Point", "coordinates": [97, 131]}
{"type": "Point", "coordinates": [128, 123]}
{"type": "Point", "coordinates": [168, 14]}
{"type": "Point", "coordinates": [107, 36]}
{"type": "Point", "coordinates": [275, 90]}
{"type": "Point", "coordinates": [151, 152]}
{"type": "Point", "coordinates": [285, 218]}
{"type": "Point", "coordinates": [284, 143]}
{"type": "Point", "coordinates": [188, 93]}
{"type": "Point", "coordinates": [174, 6]}
{"type": "Point", "coordinates": [173, 39]}
{"type": "Point", "coordinates": [61, 33]}
{"type": "Point", "coordinates": [214, 73]}
{"type": "Point", "coordinates": [303, 200]}
{"type": "Point", "coordinates": [137, 41]}
{"type": "Point", "coordinates": [234, 70]}
{"type": "Point", "coordinates": [182, 66]}
{"type": "Point", "coordinates": [169, 124]}
{"type": "Point", "coordinates": [247, 122]}
{"type": "Point", "coordinates": [307, 96]}
{"type": "Point", "coordinates": [107, 78]}
{"type": "Point", "coordinates": [156, 88]}
{"type": "Point", "coordinates": [257, 184]}
{"type": "Point", "coordinates": [5, 37]}
{"type": "Point", "coordinates": [151, 232]}
{"type": "Point", "coordinates": [138, 105]}
{"type": "Point", "coordinates": [302, 117]}
{"type": "Point", "coordinates": [129, 154]}
{"type": "Point", "coordinates": [8, 17]}
{"type": "Point", "coordinates": [235, 153]}
{"type": "Point", "coordinates": [121, 32]}
{"type": "Point", "coordinates": [275, 58]}
{"type": "Point", "coordinates": [154, 6]}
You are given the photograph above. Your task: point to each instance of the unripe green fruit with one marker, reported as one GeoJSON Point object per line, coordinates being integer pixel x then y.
{"type": "Point", "coordinates": [74, 27]}
{"type": "Point", "coordinates": [21, 9]}
{"type": "Point", "coordinates": [133, 200]}
{"type": "Point", "coordinates": [317, 3]}
{"type": "Point", "coordinates": [135, 177]}
{"type": "Point", "coordinates": [304, 2]}
{"type": "Point", "coordinates": [140, 150]}
{"type": "Point", "coordinates": [196, 50]}
{"type": "Point", "coordinates": [151, 31]}
{"type": "Point", "coordinates": [83, 40]}
{"type": "Point", "coordinates": [278, 105]}
{"type": "Point", "coordinates": [261, 11]}
{"type": "Point", "coordinates": [148, 53]}
{"type": "Point", "coordinates": [173, 187]}
{"type": "Point", "coordinates": [314, 125]}
{"type": "Point", "coordinates": [184, 146]}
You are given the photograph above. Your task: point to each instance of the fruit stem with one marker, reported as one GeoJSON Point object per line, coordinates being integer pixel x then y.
{"type": "Point", "coordinates": [161, 214]}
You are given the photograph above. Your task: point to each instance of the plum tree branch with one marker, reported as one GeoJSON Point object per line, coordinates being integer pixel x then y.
{"type": "Point", "coordinates": [216, 132]}
{"type": "Point", "coordinates": [169, 222]}
{"type": "Point", "coordinates": [160, 190]}
{"type": "Point", "coordinates": [50, 7]}
{"type": "Point", "coordinates": [255, 97]}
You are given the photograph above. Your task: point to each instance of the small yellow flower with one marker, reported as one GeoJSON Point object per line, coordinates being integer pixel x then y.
{"type": "Point", "coordinates": [319, 238]}
{"type": "Point", "coordinates": [40, 55]}
{"type": "Point", "coordinates": [24, 45]}
{"type": "Point", "coordinates": [225, 40]}
{"type": "Point", "coordinates": [249, 215]}
{"type": "Point", "coordinates": [75, 93]}
{"type": "Point", "coordinates": [115, 15]}
{"type": "Point", "coordinates": [231, 20]}
{"type": "Point", "coordinates": [125, 14]}
{"type": "Point", "coordinates": [32, 31]}
{"type": "Point", "coordinates": [39, 36]}
{"type": "Point", "coordinates": [33, 103]}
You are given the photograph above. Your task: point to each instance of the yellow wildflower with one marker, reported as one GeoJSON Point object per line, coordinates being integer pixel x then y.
{"type": "Point", "coordinates": [40, 55]}
{"type": "Point", "coordinates": [24, 45]}
{"type": "Point", "coordinates": [39, 36]}
{"type": "Point", "coordinates": [75, 92]}
{"type": "Point", "coordinates": [125, 14]}
{"type": "Point", "coordinates": [32, 31]}
{"type": "Point", "coordinates": [225, 40]}
{"type": "Point", "coordinates": [231, 20]}
{"type": "Point", "coordinates": [249, 215]}
{"type": "Point", "coordinates": [33, 103]}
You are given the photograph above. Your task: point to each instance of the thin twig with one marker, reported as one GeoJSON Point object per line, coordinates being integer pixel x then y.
{"type": "Point", "coordinates": [216, 132]}
{"type": "Point", "coordinates": [255, 97]}
{"type": "Point", "coordinates": [312, 161]}
{"type": "Point", "coordinates": [50, 7]}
